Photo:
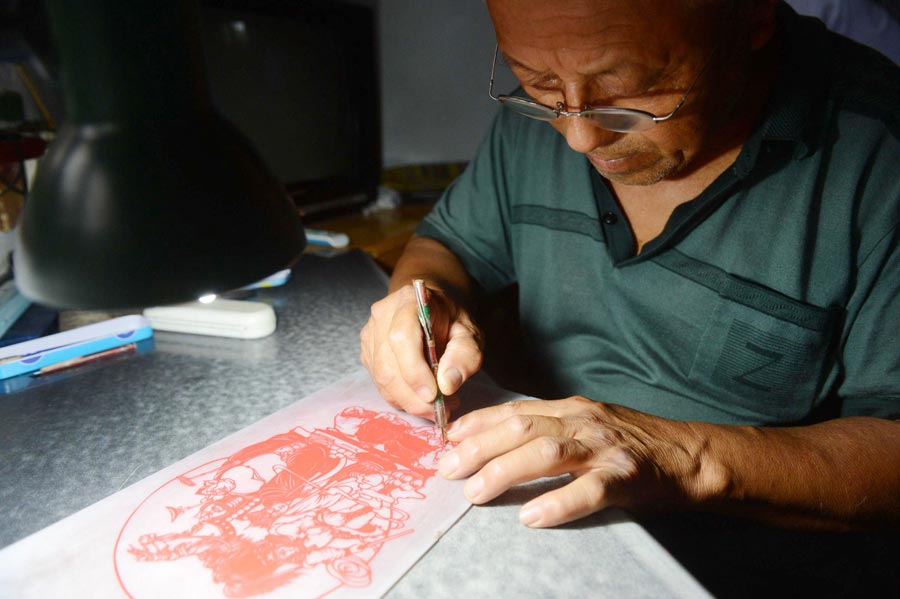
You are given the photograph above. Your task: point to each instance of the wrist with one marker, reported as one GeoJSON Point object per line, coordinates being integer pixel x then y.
{"type": "Point", "coordinates": [712, 480]}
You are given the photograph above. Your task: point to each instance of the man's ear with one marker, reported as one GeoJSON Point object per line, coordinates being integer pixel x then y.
{"type": "Point", "coordinates": [762, 22]}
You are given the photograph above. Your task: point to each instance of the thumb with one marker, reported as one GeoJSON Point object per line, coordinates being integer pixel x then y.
{"type": "Point", "coordinates": [462, 357]}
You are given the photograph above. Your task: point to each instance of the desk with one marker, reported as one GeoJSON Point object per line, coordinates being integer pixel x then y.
{"type": "Point", "coordinates": [382, 234]}
{"type": "Point", "coordinates": [69, 443]}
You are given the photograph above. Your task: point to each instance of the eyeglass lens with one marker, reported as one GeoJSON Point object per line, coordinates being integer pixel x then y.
{"type": "Point", "coordinates": [529, 109]}
{"type": "Point", "coordinates": [622, 120]}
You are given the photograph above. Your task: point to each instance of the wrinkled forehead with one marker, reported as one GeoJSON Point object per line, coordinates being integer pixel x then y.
{"type": "Point", "coordinates": [599, 30]}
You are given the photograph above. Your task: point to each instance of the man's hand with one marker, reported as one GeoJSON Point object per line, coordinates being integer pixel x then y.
{"type": "Point", "coordinates": [392, 349]}
{"type": "Point", "coordinates": [618, 456]}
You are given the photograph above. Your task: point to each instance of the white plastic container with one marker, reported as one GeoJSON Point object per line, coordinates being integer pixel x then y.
{"type": "Point", "coordinates": [219, 318]}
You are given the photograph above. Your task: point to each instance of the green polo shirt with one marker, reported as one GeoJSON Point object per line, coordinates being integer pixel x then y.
{"type": "Point", "coordinates": [772, 297]}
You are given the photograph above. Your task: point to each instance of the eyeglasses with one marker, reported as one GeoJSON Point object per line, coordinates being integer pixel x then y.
{"type": "Point", "coordinates": [612, 118]}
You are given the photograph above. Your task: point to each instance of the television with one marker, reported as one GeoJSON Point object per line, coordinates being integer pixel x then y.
{"type": "Point", "coordinates": [299, 78]}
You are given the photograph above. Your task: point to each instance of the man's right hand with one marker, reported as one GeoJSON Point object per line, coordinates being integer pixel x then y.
{"type": "Point", "coordinates": [392, 348]}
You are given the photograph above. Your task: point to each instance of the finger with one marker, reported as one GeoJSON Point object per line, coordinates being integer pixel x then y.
{"type": "Point", "coordinates": [583, 496]}
{"type": "Point", "coordinates": [407, 343]}
{"type": "Point", "coordinates": [474, 452]}
{"type": "Point", "coordinates": [461, 359]}
{"type": "Point", "coordinates": [545, 456]}
{"type": "Point", "coordinates": [381, 368]}
{"type": "Point", "coordinates": [481, 420]}
{"type": "Point", "coordinates": [394, 388]}
{"type": "Point", "coordinates": [366, 344]}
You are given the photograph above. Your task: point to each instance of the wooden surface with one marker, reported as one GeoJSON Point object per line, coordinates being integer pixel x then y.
{"type": "Point", "coordinates": [382, 234]}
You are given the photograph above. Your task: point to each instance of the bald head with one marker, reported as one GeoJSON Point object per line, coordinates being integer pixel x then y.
{"type": "Point", "coordinates": [583, 21]}
{"type": "Point", "coordinates": [639, 54]}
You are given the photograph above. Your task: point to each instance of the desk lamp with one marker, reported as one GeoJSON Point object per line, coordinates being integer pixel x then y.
{"type": "Point", "coordinates": [147, 196]}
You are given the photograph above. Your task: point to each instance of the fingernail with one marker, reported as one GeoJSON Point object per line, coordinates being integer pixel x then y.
{"type": "Point", "coordinates": [454, 427]}
{"type": "Point", "coordinates": [451, 379]}
{"type": "Point", "coordinates": [426, 393]}
{"type": "Point", "coordinates": [448, 464]}
{"type": "Point", "coordinates": [473, 488]}
{"type": "Point", "coordinates": [530, 514]}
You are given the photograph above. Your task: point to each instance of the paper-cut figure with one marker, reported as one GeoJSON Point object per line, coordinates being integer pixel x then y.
{"type": "Point", "coordinates": [311, 506]}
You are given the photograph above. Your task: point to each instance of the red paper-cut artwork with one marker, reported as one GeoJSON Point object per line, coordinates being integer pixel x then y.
{"type": "Point", "coordinates": [305, 511]}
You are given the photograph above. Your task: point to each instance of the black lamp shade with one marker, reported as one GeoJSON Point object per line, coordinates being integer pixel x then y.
{"type": "Point", "coordinates": [147, 196]}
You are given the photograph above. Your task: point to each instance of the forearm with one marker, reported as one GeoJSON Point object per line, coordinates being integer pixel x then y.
{"type": "Point", "coordinates": [425, 258]}
{"type": "Point", "coordinates": [837, 475]}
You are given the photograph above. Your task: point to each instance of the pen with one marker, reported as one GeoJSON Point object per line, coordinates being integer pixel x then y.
{"type": "Point", "coordinates": [440, 410]}
{"type": "Point", "coordinates": [80, 360]}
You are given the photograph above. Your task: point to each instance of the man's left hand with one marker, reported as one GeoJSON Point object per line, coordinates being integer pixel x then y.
{"type": "Point", "coordinates": [617, 456]}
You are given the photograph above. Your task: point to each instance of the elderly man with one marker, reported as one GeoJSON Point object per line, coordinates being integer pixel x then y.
{"type": "Point", "coordinates": [707, 262]}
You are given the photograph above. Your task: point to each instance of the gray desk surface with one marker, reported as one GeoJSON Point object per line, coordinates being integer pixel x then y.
{"type": "Point", "coordinates": [70, 442]}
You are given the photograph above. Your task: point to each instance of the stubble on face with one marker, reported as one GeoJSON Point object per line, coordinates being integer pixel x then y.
{"type": "Point", "coordinates": [648, 164]}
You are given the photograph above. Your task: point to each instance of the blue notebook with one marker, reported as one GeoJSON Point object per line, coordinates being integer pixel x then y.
{"type": "Point", "coordinates": [29, 356]}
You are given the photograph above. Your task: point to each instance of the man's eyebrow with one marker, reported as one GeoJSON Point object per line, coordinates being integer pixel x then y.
{"type": "Point", "coordinates": [515, 63]}
{"type": "Point", "coordinates": [512, 62]}
{"type": "Point", "coordinates": [650, 80]}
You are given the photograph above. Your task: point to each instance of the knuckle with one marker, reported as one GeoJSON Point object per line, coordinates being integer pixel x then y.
{"type": "Point", "coordinates": [624, 462]}
{"type": "Point", "coordinates": [471, 449]}
{"type": "Point", "coordinates": [396, 337]}
{"type": "Point", "coordinates": [605, 435]}
{"type": "Point", "coordinates": [375, 310]}
{"type": "Point", "coordinates": [521, 425]}
{"type": "Point", "coordinates": [384, 377]}
{"type": "Point", "coordinates": [553, 449]}
{"type": "Point", "coordinates": [465, 331]}
{"type": "Point", "coordinates": [477, 336]}
{"type": "Point", "coordinates": [576, 426]}
{"type": "Point", "coordinates": [494, 470]}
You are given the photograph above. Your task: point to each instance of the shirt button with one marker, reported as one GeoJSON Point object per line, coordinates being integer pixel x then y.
{"type": "Point", "coordinates": [610, 218]}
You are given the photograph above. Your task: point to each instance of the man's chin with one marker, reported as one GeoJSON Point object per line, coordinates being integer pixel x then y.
{"type": "Point", "coordinates": [639, 170]}
{"type": "Point", "coordinates": [637, 178]}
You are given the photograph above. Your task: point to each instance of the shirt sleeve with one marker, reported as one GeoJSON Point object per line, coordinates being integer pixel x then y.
{"type": "Point", "coordinates": [871, 349]}
{"type": "Point", "coordinates": [471, 218]}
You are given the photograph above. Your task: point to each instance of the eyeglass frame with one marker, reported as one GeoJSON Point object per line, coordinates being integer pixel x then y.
{"type": "Point", "coordinates": [560, 107]}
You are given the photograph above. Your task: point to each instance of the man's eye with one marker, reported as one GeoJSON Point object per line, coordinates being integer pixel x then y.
{"type": "Point", "coordinates": [536, 80]}
{"type": "Point", "coordinates": [546, 85]}
{"type": "Point", "coordinates": [544, 96]}
{"type": "Point", "coordinates": [542, 85]}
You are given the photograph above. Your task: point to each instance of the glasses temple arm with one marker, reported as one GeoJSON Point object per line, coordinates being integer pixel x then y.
{"type": "Point", "coordinates": [687, 93]}
{"type": "Point", "coordinates": [493, 70]}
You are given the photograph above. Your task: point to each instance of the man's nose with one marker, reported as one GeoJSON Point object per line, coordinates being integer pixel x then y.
{"type": "Point", "coordinates": [582, 135]}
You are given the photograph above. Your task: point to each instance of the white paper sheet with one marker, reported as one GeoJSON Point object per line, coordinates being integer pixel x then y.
{"type": "Point", "coordinates": [337, 495]}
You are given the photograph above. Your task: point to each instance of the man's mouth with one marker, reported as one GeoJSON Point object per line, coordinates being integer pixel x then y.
{"type": "Point", "coordinates": [615, 164]}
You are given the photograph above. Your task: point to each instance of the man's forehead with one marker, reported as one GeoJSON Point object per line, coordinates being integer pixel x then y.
{"type": "Point", "coordinates": [582, 24]}
{"type": "Point", "coordinates": [610, 60]}
{"type": "Point", "coordinates": [638, 40]}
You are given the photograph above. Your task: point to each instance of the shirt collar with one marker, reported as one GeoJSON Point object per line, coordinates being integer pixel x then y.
{"type": "Point", "coordinates": [795, 110]}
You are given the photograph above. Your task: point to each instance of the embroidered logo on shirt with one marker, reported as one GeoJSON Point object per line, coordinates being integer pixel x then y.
{"type": "Point", "coordinates": [762, 361]}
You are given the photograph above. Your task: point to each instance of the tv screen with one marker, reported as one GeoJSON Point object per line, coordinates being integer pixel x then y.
{"type": "Point", "coordinates": [299, 79]}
